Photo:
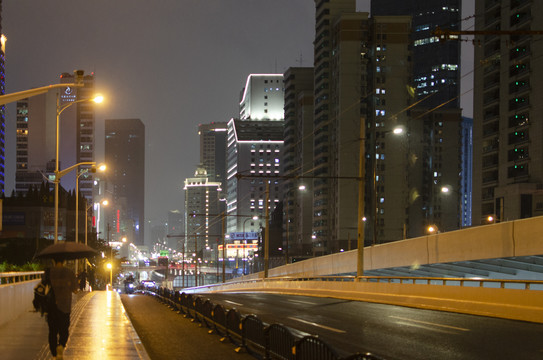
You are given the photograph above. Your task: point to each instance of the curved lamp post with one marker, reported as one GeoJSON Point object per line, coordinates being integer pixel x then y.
{"type": "Point", "coordinates": [59, 174]}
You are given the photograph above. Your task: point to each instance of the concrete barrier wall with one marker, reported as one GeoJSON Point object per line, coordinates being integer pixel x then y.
{"type": "Point", "coordinates": [15, 299]}
{"type": "Point", "coordinates": [525, 305]}
{"type": "Point", "coordinates": [528, 236]}
{"type": "Point", "coordinates": [515, 238]}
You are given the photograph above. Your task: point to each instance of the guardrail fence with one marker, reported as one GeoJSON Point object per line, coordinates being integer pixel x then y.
{"type": "Point", "coordinates": [249, 333]}
{"type": "Point", "coordinates": [15, 277]}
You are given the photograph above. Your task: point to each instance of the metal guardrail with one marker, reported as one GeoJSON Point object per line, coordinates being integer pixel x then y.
{"type": "Point", "coordinates": [18, 276]}
{"type": "Point", "coordinates": [462, 282]}
{"type": "Point", "coordinates": [249, 333]}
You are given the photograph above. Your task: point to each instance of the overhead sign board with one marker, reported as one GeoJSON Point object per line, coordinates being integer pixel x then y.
{"type": "Point", "coordinates": [253, 235]}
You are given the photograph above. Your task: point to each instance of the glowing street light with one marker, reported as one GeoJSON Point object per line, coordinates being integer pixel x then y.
{"type": "Point", "coordinates": [110, 267]}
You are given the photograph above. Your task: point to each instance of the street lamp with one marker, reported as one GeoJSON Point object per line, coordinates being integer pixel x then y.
{"type": "Point", "coordinates": [398, 130]}
{"type": "Point", "coordinates": [58, 173]}
{"type": "Point", "coordinates": [110, 267]}
{"type": "Point", "coordinates": [81, 172]}
{"type": "Point", "coordinates": [301, 188]}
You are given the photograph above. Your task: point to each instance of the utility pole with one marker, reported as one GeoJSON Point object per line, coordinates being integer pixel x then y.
{"type": "Point", "coordinates": [361, 185]}
{"type": "Point", "coordinates": [267, 232]}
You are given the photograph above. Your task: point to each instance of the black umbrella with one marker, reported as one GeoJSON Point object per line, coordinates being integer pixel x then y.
{"type": "Point", "coordinates": [67, 250]}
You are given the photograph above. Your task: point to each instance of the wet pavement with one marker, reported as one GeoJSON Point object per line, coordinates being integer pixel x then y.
{"type": "Point", "coordinates": [102, 329]}
{"type": "Point", "coordinates": [168, 335]}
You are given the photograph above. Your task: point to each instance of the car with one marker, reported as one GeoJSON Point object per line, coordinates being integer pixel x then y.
{"type": "Point", "coordinates": [147, 285]}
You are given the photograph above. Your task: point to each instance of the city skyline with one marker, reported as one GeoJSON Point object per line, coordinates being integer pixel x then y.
{"type": "Point", "coordinates": [178, 76]}
{"type": "Point", "coordinates": [161, 66]}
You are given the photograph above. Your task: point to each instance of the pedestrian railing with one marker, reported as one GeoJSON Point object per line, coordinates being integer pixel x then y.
{"type": "Point", "coordinates": [15, 277]}
{"type": "Point", "coordinates": [461, 282]}
{"type": "Point", "coordinates": [249, 333]}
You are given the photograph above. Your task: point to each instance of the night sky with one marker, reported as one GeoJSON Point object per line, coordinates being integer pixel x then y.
{"type": "Point", "coordinates": [171, 63]}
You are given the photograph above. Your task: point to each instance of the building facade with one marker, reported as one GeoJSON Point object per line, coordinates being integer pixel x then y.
{"type": "Point", "coordinates": [77, 132]}
{"type": "Point", "coordinates": [213, 152]}
{"type": "Point", "coordinates": [36, 137]}
{"type": "Point", "coordinates": [254, 150]}
{"type": "Point", "coordinates": [262, 98]}
{"type": "Point", "coordinates": [434, 117]}
{"type": "Point", "coordinates": [340, 39]}
{"type": "Point", "coordinates": [125, 180]}
{"type": "Point", "coordinates": [202, 225]}
{"type": "Point", "coordinates": [297, 162]}
{"type": "Point", "coordinates": [436, 65]}
{"type": "Point", "coordinates": [507, 170]}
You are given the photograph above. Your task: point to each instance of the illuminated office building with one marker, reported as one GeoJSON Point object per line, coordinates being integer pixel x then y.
{"type": "Point", "coordinates": [254, 145]}
{"type": "Point", "coordinates": [202, 225]}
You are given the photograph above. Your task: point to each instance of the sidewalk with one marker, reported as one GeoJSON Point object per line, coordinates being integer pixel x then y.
{"type": "Point", "coordinates": [99, 329]}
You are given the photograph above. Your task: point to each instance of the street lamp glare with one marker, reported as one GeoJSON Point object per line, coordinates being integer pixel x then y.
{"type": "Point", "coordinates": [98, 99]}
{"type": "Point", "coordinates": [445, 189]}
{"type": "Point", "coordinates": [398, 130]}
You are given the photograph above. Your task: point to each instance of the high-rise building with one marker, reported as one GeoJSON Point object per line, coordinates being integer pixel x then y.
{"type": "Point", "coordinates": [254, 149]}
{"type": "Point", "coordinates": [262, 98]}
{"type": "Point", "coordinates": [176, 229]}
{"type": "Point", "coordinates": [202, 225]}
{"type": "Point", "coordinates": [467, 171]}
{"type": "Point", "coordinates": [340, 83]}
{"type": "Point", "coordinates": [507, 124]}
{"type": "Point", "coordinates": [436, 65]}
{"type": "Point", "coordinates": [213, 150]}
{"type": "Point", "coordinates": [359, 102]}
{"type": "Point", "coordinates": [77, 132]}
{"type": "Point", "coordinates": [254, 145]}
{"type": "Point", "coordinates": [36, 141]}
{"type": "Point", "coordinates": [36, 136]}
{"type": "Point", "coordinates": [297, 161]}
{"type": "Point", "coordinates": [434, 118]}
{"type": "Point", "coordinates": [125, 159]}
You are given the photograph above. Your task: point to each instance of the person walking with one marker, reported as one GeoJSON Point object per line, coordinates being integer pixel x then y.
{"type": "Point", "coordinates": [63, 282]}
{"type": "Point", "coordinates": [82, 280]}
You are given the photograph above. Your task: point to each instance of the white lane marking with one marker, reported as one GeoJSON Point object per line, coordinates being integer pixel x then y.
{"type": "Point", "coordinates": [301, 302]}
{"type": "Point", "coordinates": [429, 323]}
{"type": "Point", "coordinates": [233, 302]}
{"type": "Point", "coordinates": [426, 327]}
{"type": "Point", "coordinates": [318, 325]}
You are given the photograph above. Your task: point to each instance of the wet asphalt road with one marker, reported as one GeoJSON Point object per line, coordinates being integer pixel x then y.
{"type": "Point", "coordinates": [394, 332]}
{"type": "Point", "coordinates": [167, 335]}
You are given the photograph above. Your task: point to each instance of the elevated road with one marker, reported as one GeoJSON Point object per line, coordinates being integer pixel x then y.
{"type": "Point", "coordinates": [393, 332]}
